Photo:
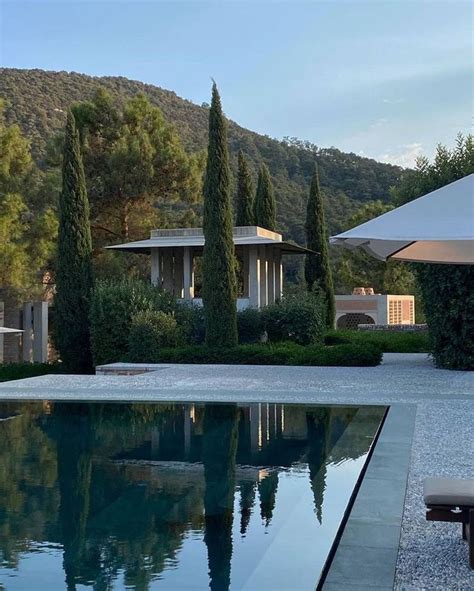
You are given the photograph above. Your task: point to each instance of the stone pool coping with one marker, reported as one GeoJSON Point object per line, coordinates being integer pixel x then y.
{"type": "Point", "coordinates": [431, 556]}
{"type": "Point", "coordinates": [366, 554]}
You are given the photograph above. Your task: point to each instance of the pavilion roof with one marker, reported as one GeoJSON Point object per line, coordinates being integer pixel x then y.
{"type": "Point", "coordinates": [194, 237]}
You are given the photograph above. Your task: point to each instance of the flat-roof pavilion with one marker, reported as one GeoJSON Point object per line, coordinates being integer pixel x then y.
{"type": "Point", "coordinates": [258, 250]}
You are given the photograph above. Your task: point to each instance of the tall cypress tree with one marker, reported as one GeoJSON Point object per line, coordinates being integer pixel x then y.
{"type": "Point", "coordinates": [265, 207]}
{"type": "Point", "coordinates": [74, 268]}
{"type": "Point", "coordinates": [219, 284]}
{"type": "Point", "coordinates": [245, 212]}
{"type": "Point", "coordinates": [317, 268]}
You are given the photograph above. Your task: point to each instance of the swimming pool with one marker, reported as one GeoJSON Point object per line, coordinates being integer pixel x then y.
{"type": "Point", "coordinates": [175, 496]}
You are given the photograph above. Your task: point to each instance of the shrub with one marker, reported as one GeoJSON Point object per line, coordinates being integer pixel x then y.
{"type": "Point", "coordinates": [298, 318]}
{"type": "Point", "coordinates": [388, 342]}
{"type": "Point", "coordinates": [191, 322]}
{"type": "Point", "coordinates": [346, 355]}
{"type": "Point", "coordinates": [448, 296]}
{"type": "Point", "coordinates": [19, 371]}
{"type": "Point", "coordinates": [274, 354]}
{"type": "Point", "coordinates": [150, 331]}
{"type": "Point", "coordinates": [113, 305]}
{"type": "Point", "coordinates": [250, 326]}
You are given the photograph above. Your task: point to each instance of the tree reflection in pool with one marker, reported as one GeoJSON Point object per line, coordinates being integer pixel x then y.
{"type": "Point", "coordinates": [174, 496]}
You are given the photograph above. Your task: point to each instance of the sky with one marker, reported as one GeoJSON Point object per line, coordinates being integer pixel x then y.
{"type": "Point", "coordinates": [385, 79]}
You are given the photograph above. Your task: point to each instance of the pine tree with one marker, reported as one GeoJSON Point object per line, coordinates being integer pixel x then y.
{"type": "Point", "coordinates": [265, 207]}
{"type": "Point", "coordinates": [74, 268]}
{"type": "Point", "coordinates": [317, 267]}
{"type": "Point", "coordinates": [219, 284]}
{"type": "Point", "coordinates": [245, 209]}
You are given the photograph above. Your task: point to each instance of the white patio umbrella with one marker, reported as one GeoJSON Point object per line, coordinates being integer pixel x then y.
{"type": "Point", "coordinates": [435, 228]}
{"type": "Point", "coordinates": [5, 330]}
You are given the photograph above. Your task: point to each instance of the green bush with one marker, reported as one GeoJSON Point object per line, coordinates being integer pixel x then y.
{"type": "Point", "coordinates": [387, 341]}
{"type": "Point", "coordinates": [113, 305]}
{"type": "Point", "coordinates": [151, 330]}
{"type": "Point", "coordinates": [191, 322]}
{"type": "Point", "coordinates": [274, 354]}
{"type": "Point", "coordinates": [19, 371]}
{"type": "Point", "coordinates": [299, 318]}
{"type": "Point", "coordinates": [448, 296]}
{"type": "Point", "coordinates": [250, 326]}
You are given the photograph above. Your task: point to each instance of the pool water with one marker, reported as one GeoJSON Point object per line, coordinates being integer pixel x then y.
{"type": "Point", "coordinates": [109, 496]}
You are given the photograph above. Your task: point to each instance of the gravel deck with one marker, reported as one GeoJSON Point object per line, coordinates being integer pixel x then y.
{"type": "Point", "coordinates": [432, 556]}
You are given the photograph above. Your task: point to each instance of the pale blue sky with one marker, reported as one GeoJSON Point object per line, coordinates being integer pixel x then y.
{"type": "Point", "coordinates": [389, 79]}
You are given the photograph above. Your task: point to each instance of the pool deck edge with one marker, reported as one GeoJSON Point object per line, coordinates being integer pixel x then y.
{"type": "Point", "coordinates": [366, 556]}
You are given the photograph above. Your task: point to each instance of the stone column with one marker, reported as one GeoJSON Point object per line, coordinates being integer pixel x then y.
{"type": "Point", "coordinates": [271, 274]}
{"type": "Point", "coordinates": [188, 274]}
{"type": "Point", "coordinates": [278, 275]}
{"type": "Point", "coordinates": [178, 270]}
{"type": "Point", "coordinates": [245, 271]}
{"type": "Point", "coordinates": [262, 255]}
{"type": "Point", "coordinates": [167, 257]}
{"type": "Point", "coordinates": [40, 332]}
{"type": "Point", "coordinates": [156, 277]}
{"type": "Point", "coordinates": [254, 278]}
{"type": "Point", "coordinates": [27, 337]}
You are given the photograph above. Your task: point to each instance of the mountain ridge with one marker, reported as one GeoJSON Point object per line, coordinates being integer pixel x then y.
{"type": "Point", "coordinates": [38, 99]}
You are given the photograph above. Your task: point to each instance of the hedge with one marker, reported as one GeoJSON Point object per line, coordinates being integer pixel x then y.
{"type": "Point", "coordinates": [113, 305]}
{"type": "Point", "coordinates": [272, 354]}
{"type": "Point", "coordinates": [388, 342]}
{"type": "Point", "coordinates": [19, 371]}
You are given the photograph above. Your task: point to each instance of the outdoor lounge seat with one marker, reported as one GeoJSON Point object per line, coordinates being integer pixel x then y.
{"type": "Point", "coordinates": [452, 499]}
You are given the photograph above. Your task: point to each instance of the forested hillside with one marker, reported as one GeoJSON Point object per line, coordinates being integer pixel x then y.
{"type": "Point", "coordinates": [37, 101]}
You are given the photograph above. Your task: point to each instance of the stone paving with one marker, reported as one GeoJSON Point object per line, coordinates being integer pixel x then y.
{"type": "Point", "coordinates": [432, 556]}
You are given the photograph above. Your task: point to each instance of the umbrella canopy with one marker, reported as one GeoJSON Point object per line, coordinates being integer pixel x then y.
{"type": "Point", "coordinates": [435, 228]}
{"type": "Point", "coordinates": [4, 330]}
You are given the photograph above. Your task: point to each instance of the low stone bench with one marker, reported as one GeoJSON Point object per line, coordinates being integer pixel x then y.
{"type": "Point", "coordinates": [452, 499]}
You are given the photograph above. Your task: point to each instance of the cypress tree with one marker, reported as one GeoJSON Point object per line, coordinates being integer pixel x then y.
{"type": "Point", "coordinates": [74, 266]}
{"type": "Point", "coordinates": [219, 284]}
{"type": "Point", "coordinates": [265, 207]}
{"type": "Point", "coordinates": [317, 268]}
{"type": "Point", "coordinates": [245, 213]}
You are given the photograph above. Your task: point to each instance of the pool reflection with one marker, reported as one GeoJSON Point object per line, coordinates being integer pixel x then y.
{"type": "Point", "coordinates": [134, 495]}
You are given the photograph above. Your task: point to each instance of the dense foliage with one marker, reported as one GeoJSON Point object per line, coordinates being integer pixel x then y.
{"type": "Point", "coordinates": [74, 265]}
{"type": "Point", "coordinates": [447, 290]}
{"type": "Point", "coordinates": [150, 331]}
{"type": "Point", "coordinates": [273, 354]}
{"type": "Point", "coordinates": [28, 225]}
{"type": "Point", "coordinates": [20, 371]}
{"type": "Point", "coordinates": [317, 268]}
{"type": "Point", "coordinates": [300, 318]}
{"type": "Point", "coordinates": [38, 101]}
{"type": "Point", "coordinates": [113, 306]}
{"type": "Point", "coordinates": [219, 281]}
{"type": "Point", "coordinates": [244, 215]}
{"type": "Point", "coordinates": [387, 341]}
{"type": "Point", "coordinates": [265, 204]}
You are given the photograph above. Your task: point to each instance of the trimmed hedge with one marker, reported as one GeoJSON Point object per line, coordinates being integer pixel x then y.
{"type": "Point", "coordinates": [113, 305]}
{"type": "Point", "coordinates": [388, 342]}
{"type": "Point", "coordinates": [150, 331]}
{"type": "Point", "coordinates": [299, 318]}
{"type": "Point", "coordinates": [272, 354]}
{"type": "Point", "coordinates": [19, 371]}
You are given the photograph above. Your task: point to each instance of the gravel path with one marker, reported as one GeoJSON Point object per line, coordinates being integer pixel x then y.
{"type": "Point", "coordinates": [432, 556]}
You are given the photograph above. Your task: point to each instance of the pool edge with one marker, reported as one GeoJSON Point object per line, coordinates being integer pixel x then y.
{"type": "Point", "coordinates": [366, 549]}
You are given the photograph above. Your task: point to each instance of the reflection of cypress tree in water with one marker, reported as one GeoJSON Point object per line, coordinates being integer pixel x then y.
{"type": "Point", "coordinates": [247, 499]}
{"type": "Point", "coordinates": [72, 430]}
{"type": "Point", "coordinates": [219, 447]}
{"type": "Point", "coordinates": [267, 489]}
{"type": "Point", "coordinates": [318, 434]}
